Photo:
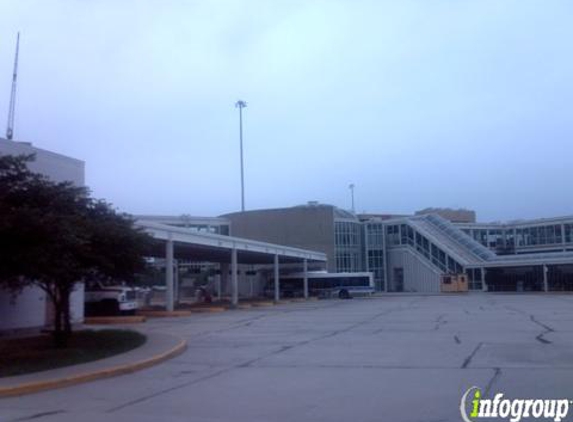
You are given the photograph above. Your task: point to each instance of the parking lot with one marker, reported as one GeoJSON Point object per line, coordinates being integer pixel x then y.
{"type": "Point", "coordinates": [394, 358]}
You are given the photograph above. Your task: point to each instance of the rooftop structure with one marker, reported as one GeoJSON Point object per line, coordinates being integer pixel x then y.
{"type": "Point", "coordinates": [412, 253]}
{"type": "Point", "coordinates": [455, 216]}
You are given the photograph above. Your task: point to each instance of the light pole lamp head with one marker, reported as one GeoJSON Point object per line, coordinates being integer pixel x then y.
{"type": "Point", "coordinates": [240, 104]}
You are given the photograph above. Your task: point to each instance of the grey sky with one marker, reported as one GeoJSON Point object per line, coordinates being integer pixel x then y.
{"type": "Point", "coordinates": [419, 103]}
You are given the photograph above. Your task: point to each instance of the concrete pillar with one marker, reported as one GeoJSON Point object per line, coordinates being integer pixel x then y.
{"type": "Point", "coordinates": [545, 280]}
{"type": "Point", "coordinates": [224, 278]}
{"type": "Point", "coordinates": [234, 278]}
{"type": "Point", "coordinates": [218, 283]}
{"type": "Point", "coordinates": [305, 277]}
{"type": "Point", "coordinates": [277, 286]}
{"type": "Point", "coordinates": [169, 305]}
{"type": "Point", "coordinates": [251, 278]}
{"type": "Point", "coordinates": [483, 285]}
{"type": "Point", "coordinates": [176, 281]}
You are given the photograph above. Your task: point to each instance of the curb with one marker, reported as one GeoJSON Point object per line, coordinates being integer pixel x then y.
{"type": "Point", "coordinates": [115, 320]}
{"type": "Point", "coordinates": [261, 304]}
{"type": "Point", "coordinates": [34, 387]}
{"type": "Point", "coordinates": [164, 314]}
{"type": "Point", "coordinates": [208, 309]}
{"type": "Point", "coordinates": [239, 306]}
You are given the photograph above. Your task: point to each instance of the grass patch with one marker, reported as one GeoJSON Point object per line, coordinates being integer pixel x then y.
{"type": "Point", "coordinates": [32, 354]}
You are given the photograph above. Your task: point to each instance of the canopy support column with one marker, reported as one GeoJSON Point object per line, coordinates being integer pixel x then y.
{"type": "Point", "coordinates": [169, 276]}
{"type": "Point", "coordinates": [483, 285]}
{"type": "Point", "coordinates": [234, 278]}
{"type": "Point", "coordinates": [277, 286]}
{"type": "Point", "coordinates": [305, 277]}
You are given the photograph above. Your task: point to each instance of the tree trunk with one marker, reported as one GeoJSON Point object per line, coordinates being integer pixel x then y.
{"type": "Point", "coordinates": [66, 314]}
{"type": "Point", "coordinates": [60, 340]}
{"type": "Point", "coordinates": [62, 324]}
{"type": "Point", "coordinates": [59, 293]}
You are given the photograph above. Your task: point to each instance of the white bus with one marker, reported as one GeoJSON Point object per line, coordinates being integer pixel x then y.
{"type": "Point", "coordinates": [323, 284]}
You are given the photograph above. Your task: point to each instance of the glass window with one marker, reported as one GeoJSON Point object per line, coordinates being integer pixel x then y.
{"type": "Point", "coordinates": [451, 264]}
{"type": "Point", "coordinates": [550, 234]}
{"type": "Point", "coordinates": [519, 236]}
{"type": "Point", "coordinates": [442, 258]}
{"type": "Point", "coordinates": [533, 237]}
{"type": "Point", "coordinates": [558, 234]}
{"type": "Point", "coordinates": [410, 236]}
{"type": "Point", "coordinates": [541, 235]}
{"type": "Point", "coordinates": [375, 235]}
{"type": "Point", "coordinates": [474, 279]}
{"type": "Point", "coordinates": [425, 247]}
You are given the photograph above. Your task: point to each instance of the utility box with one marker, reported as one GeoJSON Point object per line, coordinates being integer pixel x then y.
{"type": "Point", "coordinates": [454, 283]}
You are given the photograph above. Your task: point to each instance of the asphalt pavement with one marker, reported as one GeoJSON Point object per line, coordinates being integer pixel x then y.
{"type": "Point", "coordinates": [395, 358]}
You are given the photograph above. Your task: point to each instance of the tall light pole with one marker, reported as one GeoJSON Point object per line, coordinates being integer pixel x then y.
{"type": "Point", "coordinates": [351, 187]}
{"type": "Point", "coordinates": [240, 105]}
{"type": "Point", "coordinates": [12, 106]}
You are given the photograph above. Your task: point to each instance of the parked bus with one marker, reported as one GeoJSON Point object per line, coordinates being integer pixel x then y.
{"type": "Point", "coordinates": [323, 284]}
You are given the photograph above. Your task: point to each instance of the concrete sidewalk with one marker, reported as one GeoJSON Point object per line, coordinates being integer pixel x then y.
{"type": "Point", "coordinates": [157, 348]}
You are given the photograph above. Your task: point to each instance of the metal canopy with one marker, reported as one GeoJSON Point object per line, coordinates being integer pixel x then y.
{"type": "Point", "coordinates": [217, 248]}
{"type": "Point", "coordinates": [176, 242]}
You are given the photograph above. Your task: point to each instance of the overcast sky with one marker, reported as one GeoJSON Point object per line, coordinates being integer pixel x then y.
{"type": "Point", "coordinates": [421, 103]}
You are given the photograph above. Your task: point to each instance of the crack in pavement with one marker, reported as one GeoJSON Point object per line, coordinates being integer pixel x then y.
{"type": "Point", "coordinates": [38, 415]}
{"type": "Point", "coordinates": [389, 311]}
{"type": "Point", "coordinates": [468, 360]}
{"type": "Point", "coordinates": [322, 337]}
{"type": "Point", "coordinates": [493, 379]}
{"type": "Point", "coordinates": [249, 321]}
{"type": "Point", "coordinates": [251, 361]}
{"type": "Point", "coordinates": [457, 339]}
{"type": "Point", "coordinates": [541, 337]}
{"type": "Point", "coordinates": [247, 363]}
{"type": "Point", "coordinates": [198, 380]}
{"type": "Point", "coordinates": [389, 365]}
{"type": "Point", "coordinates": [168, 390]}
{"type": "Point", "coordinates": [207, 377]}
{"type": "Point", "coordinates": [547, 329]}
{"type": "Point", "coordinates": [331, 334]}
{"type": "Point", "coordinates": [440, 321]}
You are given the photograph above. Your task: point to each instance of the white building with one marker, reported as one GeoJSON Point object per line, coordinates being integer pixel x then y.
{"type": "Point", "coordinates": [30, 309]}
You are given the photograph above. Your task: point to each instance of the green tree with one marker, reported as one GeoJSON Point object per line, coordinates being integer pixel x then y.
{"type": "Point", "coordinates": [55, 235]}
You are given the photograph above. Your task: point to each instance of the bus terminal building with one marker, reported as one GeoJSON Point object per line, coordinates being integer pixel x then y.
{"type": "Point", "coordinates": [246, 252]}
{"type": "Point", "coordinates": [411, 253]}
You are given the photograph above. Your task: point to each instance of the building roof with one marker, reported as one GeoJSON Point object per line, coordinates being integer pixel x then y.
{"type": "Point", "coordinates": [217, 248]}
{"type": "Point", "coordinates": [184, 219]}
